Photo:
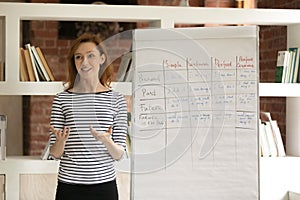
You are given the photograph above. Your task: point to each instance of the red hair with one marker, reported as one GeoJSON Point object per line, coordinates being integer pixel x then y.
{"type": "Point", "coordinates": [106, 70]}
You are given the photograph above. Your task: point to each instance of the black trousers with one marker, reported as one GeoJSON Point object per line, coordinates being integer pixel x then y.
{"type": "Point", "coordinates": [102, 191]}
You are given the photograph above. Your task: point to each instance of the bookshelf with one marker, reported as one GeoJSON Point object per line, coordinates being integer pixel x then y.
{"type": "Point", "coordinates": [279, 90]}
{"type": "Point", "coordinates": [12, 14]}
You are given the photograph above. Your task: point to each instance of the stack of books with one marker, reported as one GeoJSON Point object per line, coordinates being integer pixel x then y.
{"type": "Point", "coordinates": [287, 67]}
{"type": "Point", "coordinates": [271, 143]}
{"type": "Point", "coordinates": [33, 65]}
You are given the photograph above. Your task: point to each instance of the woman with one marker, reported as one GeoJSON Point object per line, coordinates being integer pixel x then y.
{"type": "Point", "coordinates": [88, 125]}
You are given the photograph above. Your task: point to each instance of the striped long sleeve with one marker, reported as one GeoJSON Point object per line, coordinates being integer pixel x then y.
{"type": "Point", "coordinates": [85, 160]}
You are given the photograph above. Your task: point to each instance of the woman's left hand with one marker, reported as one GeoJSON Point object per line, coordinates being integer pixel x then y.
{"type": "Point", "coordinates": [115, 150]}
{"type": "Point", "coordinates": [102, 137]}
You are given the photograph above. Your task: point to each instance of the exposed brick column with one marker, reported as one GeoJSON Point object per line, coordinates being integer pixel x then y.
{"type": "Point", "coordinates": [37, 109]}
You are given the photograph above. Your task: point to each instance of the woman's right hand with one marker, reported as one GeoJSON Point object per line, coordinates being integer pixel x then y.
{"type": "Point", "coordinates": [57, 149]}
{"type": "Point", "coordinates": [61, 135]}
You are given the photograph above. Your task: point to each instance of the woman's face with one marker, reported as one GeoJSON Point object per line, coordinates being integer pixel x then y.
{"type": "Point", "coordinates": [87, 60]}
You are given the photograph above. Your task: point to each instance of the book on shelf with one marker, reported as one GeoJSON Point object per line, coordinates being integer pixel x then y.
{"type": "Point", "coordinates": [271, 139]}
{"type": "Point", "coordinates": [273, 135]}
{"type": "Point", "coordinates": [278, 138]}
{"type": "Point", "coordinates": [295, 64]}
{"type": "Point", "coordinates": [289, 68]}
{"type": "Point", "coordinates": [29, 66]}
{"type": "Point", "coordinates": [33, 63]}
{"type": "Point", "coordinates": [45, 63]}
{"type": "Point", "coordinates": [41, 68]}
{"type": "Point", "coordinates": [23, 69]}
{"type": "Point", "coordinates": [3, 126]}
{"type": "Point", "coordinates": [281, 65]}
{"type": "Point", "coordinates": [264, 144]}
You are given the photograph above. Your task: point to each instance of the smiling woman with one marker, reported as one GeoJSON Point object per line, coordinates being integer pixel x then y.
{"type": "Point", "coordinates": [88, 61]}
{"type": "Point", "coordinates": [87, 52]}
{"type": "Point", "coordinates": [88, 125]}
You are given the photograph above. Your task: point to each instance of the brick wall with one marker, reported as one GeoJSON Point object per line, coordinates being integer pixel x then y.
{"type": "Point", "coordinates": [45, 34]}
{"type": "Point", "coordinates": [273, 39]}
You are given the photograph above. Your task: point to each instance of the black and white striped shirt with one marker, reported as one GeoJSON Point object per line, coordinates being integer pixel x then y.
{"type": "Point", "coordinates": [85, 160]}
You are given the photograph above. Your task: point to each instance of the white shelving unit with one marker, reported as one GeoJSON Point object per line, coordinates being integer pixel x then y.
{"type": "Point", "coordinates": [15, 167]}
{"type": "Point", "coordinates": [279, 90]}
{"type": "Point", "coordinates": [159, 16]}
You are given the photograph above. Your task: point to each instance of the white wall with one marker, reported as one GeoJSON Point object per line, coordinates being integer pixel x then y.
{"type": "Point", "coordinates": [278, 176]}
